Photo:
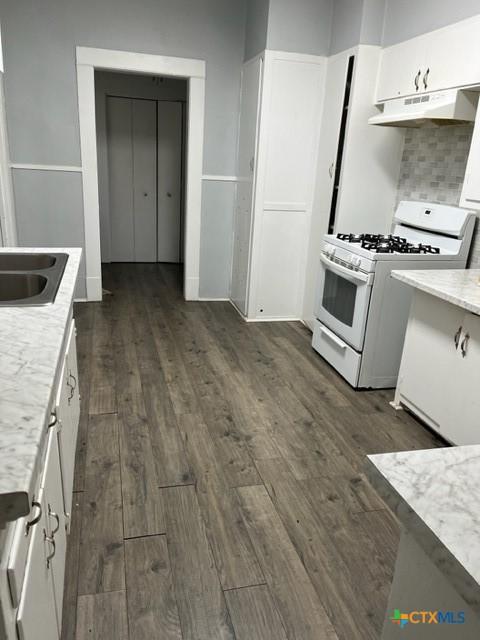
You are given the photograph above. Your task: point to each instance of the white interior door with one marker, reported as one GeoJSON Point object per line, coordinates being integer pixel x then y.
{"type": "Point", "coordinates": [251, 80]}
{"type": "Point", "coordinates": [131, 141]}
{"type": "Point", "coordinates": [169, 181]}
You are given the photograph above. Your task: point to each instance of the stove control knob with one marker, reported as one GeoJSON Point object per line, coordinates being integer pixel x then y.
{"type": "Point", "coordinates": [356, 262]}
{"type": "Point", "coordinates": [329, 250]}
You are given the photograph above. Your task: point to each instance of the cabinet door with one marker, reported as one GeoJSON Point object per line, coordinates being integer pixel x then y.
{"type": "Point", "coordinates": [36, 616]}
{"type": "Point", "coordinates": [400, 65]}
{"type": "Point", "coordinates": [429, 358]}
{"type": "Point", "coordinates": [247, 150]}
{"type": "Point", "coordinates": [68, 414]}
{"type": "Point", "coordinates": [453, 56]}
{"type": "Point", "coordinates": [463, 426]}
{"type": "Point", "coordinates": [471, 186]}
{"type": "Point", "coordinates": [337, 68]}
{"type": "Point", "coordinates": [55, 520]}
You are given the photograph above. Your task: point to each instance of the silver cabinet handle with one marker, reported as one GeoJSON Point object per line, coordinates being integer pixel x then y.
{"type": "Point", "coordinates": [35, 520]}
{"type": "Point", "coordinates": [425, 78]}
{"type": "Point", "coordinates": [417, 80]}
{"type": "Point", "coordinates": [53, 420]}
{"type": "Point", "coordinates": [70, 375]}
{"type": "Point", "coordinates": [464, 345]}
{"type": "Point", "coordinates": [330, 170]}
{"type": "Point", "coordinates": [52, 514]}
{"type": "Point", "coordinates": [456, 338]}
{"type": "Point", "coordinates": [72, 386]}
{"type": "Point", "coordinates": [51, 540]}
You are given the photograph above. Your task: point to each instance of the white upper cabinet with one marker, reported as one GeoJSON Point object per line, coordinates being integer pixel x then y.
{"type": "Point", "coordinates": [442, 59]}
{"type": "Point", "coordinates": [453, 56]}
{"type": "Point", "coordinates": [401, 68]}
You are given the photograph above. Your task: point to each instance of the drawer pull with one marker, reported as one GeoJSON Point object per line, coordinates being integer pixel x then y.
{"type": "Point", "coordinates": [51, 540]}
{"type": "Point", "coordinates": [53, 420]}
{"type": "Point", "coordinates": [456, 337]}
{"type": "Point", "coordinates": [52, 514]}
{"type": "Point", "coordinates": [464, 345]}
{"type": "Point", "coordinates": [35, 520]}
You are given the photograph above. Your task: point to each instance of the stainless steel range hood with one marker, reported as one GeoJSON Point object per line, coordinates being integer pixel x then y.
{"type": "Point", "coordinates": [432, 109]}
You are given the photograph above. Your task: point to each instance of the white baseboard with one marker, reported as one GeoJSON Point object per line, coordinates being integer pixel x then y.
{"type": "Point", "coordinates": [191, 288]}
{"type": "Point", "coordinates": [213, 299]}
{"type": "Point", "coordinates": [94, 289]}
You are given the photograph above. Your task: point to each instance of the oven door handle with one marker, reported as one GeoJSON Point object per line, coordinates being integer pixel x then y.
{"type": "Point", "coordinates": [348, 274]}
{"type": "Point", "coordinates": [331, 336]}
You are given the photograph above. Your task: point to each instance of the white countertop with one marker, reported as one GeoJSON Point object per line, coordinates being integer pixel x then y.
{"type": "Point", "coordinates": [436, 495]}
{"type": "Point", "coordinates": [31, 341]}
{"type": "Point", "coordinates": [460, 287]}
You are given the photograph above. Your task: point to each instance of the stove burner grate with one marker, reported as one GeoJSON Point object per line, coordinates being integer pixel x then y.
{"type": "Point", "coordinates": [379, 243]}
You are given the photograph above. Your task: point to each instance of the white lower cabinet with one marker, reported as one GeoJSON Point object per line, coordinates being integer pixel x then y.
{"type": "Point", "coordinates": [35, 561]}
{"type": "Point", "coordinates": [440, 371]}
{"type": "Point", "coordinates": [67, 408]}
{"type": "Point", "coordinates": [40, 609]}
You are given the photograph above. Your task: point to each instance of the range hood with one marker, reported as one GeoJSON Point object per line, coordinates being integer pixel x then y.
{"type": "Point", "coordinates": [432, 109]}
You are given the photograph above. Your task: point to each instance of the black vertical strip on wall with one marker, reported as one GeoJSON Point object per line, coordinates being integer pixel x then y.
{"type": "Point", "coordinates": [341, 144]}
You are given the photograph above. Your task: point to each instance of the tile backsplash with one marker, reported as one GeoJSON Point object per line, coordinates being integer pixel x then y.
{"type": "Point", "coordinates": [433, 168]}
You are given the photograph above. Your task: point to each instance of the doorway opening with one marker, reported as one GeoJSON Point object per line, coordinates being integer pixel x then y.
{"type": "Point", "coordinates": [141, 166]}
{"type": "Point", "coordinates": [89, 60]}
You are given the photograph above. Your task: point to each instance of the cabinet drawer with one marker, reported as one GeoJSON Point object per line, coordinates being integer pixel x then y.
{"type": "Point", "coordinates": [339, 354]}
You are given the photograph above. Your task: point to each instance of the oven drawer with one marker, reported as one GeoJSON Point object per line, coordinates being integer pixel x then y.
{"type": "Point", "coordinates": [337, 352]}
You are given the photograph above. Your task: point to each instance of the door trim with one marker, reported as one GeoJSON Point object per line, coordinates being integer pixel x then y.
{"type": "Point", "coordinates": [88, 59]}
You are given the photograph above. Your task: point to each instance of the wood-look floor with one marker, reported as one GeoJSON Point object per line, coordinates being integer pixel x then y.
{"type": "Point", "coordinates": [219, 486]}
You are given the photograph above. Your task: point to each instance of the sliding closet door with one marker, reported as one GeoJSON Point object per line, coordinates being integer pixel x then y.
{"type": "Point", "coordinates": [169, 181]}
{"type": "Point", "coordinates": [131, 141]}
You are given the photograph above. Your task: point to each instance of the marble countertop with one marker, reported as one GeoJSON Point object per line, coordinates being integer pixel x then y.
{"type": "Point", "coordinates": [435, 493]}
{"type": "Point", "coordinates": [31, 342]}
{"type": "Point", "coordinates": [457, 286]}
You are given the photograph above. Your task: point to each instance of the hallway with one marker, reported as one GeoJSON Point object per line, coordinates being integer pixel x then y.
{"type": "Point", "coordinates": [219, 485]}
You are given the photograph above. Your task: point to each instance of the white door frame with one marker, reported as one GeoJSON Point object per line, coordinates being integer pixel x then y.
{"type": "Point", "coordinates": [89, 59]}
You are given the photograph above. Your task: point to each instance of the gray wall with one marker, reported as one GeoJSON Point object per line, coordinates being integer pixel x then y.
{"type": "Point", "coordinates": [302, 26]}
{"type": "Point", "coordinates": [256, 27]}
{"type": "Point", "coordinates": [356, 22]}
{"type": "Point", "coordinates": [41, 97]}
{"type": "Point", "coordinates": [405, 19]}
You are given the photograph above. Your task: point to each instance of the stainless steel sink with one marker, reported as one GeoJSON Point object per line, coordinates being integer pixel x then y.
{"type": "Point", "coordinates": [30, 279]}
{"type": "Point", "coordinates": [17, 286]}
{"type": "Point", "coordinates": [26, 261]}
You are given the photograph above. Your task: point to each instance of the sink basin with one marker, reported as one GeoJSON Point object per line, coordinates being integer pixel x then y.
{"type": "Point", "coordinates": [30, 279]}
{"type": "Point", "coordinates": [26, 261]}
{"type": "Point", "coordinates": [18, 286]}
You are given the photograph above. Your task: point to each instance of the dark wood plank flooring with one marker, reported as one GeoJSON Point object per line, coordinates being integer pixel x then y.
{"type": "Point", "coordinates": [220, 487]}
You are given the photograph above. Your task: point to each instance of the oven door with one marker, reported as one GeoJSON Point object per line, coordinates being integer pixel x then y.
{"type": "Point", "coordinates": [343, 301]}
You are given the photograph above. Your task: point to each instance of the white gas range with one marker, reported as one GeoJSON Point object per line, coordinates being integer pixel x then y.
{"type": "Point", "coordinates": [361, 312]}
